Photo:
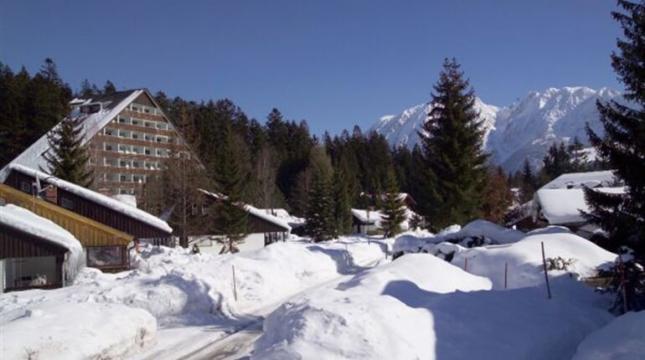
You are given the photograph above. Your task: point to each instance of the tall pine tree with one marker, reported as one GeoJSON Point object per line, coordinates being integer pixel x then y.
{"type": "Point", "coordinates": [229, 216]}
{"type": "Point", "coordinates": [622, 216]}
{"type": "Point", "coordinates": [68, 158]}
{"type": "Point", "coordinates": [321, 223]}
{"type": "Point", "coordinates": [393, 207]}
{"type": "Point", "coordinates": [455, 171]}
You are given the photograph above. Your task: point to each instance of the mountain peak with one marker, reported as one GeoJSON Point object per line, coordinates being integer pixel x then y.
{"type": "Point", "coordinates": [523, 130]}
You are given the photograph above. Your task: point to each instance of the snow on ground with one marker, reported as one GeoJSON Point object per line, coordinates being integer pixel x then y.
{"type": "Point", "coordinates": [489, 232]}
{"type": "Point", "coordinates": [181, 289]}
{"type": "Point", "coordinates": [61, 330]}
{"type": "Point", "coordinates": [409, 310]}
{"type": "Point", "coordinates": [361, 318]}
{"type": "Point", "coordinates": [623, 338]}
{"type": "Point", "coordinates": [524, 258]}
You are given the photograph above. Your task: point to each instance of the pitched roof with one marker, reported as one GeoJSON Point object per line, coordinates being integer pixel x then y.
{"type": "Point", "coordinates": [111, 106]}
{"type": "Point", "coordinates": [563, 206]}
{"type": "Point", "coordinates": [590, 179]}
{"type": "Point", "coordinates": [95, 197]}
{"type": "Point", "coordinates": [26, 221]}
{"type": "Point", "coordinates": [260, 213]}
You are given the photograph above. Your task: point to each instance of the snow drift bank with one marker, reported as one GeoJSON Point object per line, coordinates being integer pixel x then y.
{"type": "Point", "coordinates": [524, 258]}
{"type": "Point", "coordinates": [398, 312]}
{"type": "Point", "coordinates": [178, 288]}
{"type": "Point", "coordinates": [59, 330]}
{"type": "Point", "coordinates": [478, 231]}
{"type": "Point", "coordinates": [623, 338]}
{"type": "Point", "coordinates": [362, 318]}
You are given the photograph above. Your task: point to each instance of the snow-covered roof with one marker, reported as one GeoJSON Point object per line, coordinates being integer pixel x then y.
{"type": "Point", "coordinates": [375, 217]}
{"type": "Point", "coordinates": [563, 206]}
{"type": "Point", "coordinates": [284, 215]}
{"type": "Point", "coordinates": [95, 197]}
{"type": "Point", "coordinates": [24, 220]}
{"type": "Point", "coordinates": [592, 179]}
{"type": "Point", "coordinates": [33, 156]}
{"type": "Point", "coordinates": [126, 198]}
{"type": "Point", "coordinates": [260, 213]}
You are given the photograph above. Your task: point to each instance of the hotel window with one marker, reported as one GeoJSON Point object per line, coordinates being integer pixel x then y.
{"type": "Point", "coordinates": [25, 186]}
{"type": "Point", "coordinates": [135, 122]}
{"type": "Point", "coordinates": [67, 203]}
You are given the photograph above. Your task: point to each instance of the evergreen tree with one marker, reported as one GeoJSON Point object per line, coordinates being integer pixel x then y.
{"type": "Point", "coordinates": [320, 212]}
{"type": "Point", "coordinates": [557, 161]}
{"type": "Point", "coordinates": [621, 215]}
{"type": "Point", "coordinates": [455, 171]}
{"type": "Point", "coordinates": [393, 207]}
{"type": "Point", "coordinates": [68, 158]}
{"type": "Point", "coordinates": [321, 223]}
{"type": "Point", "coordinates": [528, 182]}
{"type": "Point", "coordinates": [109, 88]}
{"type": "Point", "coordinates": [342, 203]}
{"type": "Point", "coordinates": [229, 216]}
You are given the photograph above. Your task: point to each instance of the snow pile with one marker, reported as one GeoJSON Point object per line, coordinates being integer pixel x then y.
{"type": "Point", "coordinates": [95, 197]}
{"type": "Point", "coordinates": [524, 258]}
{"type": "Point", "coordinates": [30, 223]}
{"type": "Point", "coordinates": [61, 330]}
{"type": "Point", "coordinates": [362, 318]}
{"type": "Point", "coordinates": [474, 233]}
{"type": "Point", "coordinates": [407, 310]}
{"type": "Point", "coordinates": [623, 338]}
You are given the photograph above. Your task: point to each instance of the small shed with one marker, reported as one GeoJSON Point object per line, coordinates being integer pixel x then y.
{"type": "Point", "coordinates": [35, 252]}
{"type": "Point", "coordinates": [263, 228]}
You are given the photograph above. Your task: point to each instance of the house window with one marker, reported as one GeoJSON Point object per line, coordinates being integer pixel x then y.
{"type": "Point", "coordinates": [25, 186]}
{"type": "Point", "coordinates": [105, 256]}
{"type": "Point", "coordinates": [66, 203]}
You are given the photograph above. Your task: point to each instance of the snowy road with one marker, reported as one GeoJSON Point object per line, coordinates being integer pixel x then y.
{"type": "Point", "coordinates": [237, 342]}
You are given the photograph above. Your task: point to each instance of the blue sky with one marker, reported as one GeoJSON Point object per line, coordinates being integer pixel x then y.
{"type": "Point", "coordinates": [335, 63]}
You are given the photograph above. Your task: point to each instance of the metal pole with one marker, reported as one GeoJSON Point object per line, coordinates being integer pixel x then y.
{"type": "Point", "coordinates": [234, 284]}
{"type": "Point", "coordinates": [505, 275]}
{"type": "Point", "coordinates": [465, 264]}
{"type": "Point", "coordinates": [546, 276]}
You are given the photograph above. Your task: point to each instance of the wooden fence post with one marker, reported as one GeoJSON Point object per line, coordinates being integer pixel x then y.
{"type": "Point", "coordinates": [234, 284]}
{"type": "Point", "coordinates": [465, 264]}
{"type": "Point", "coordinates": [505, 275]}
{"type": "Point", "coordinates": [546, 275]}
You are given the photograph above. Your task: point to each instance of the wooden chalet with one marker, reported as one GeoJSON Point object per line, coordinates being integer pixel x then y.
{"type": "Point", "coordinates": [262, 228]}
{"type": "Point", "coordinates": [94, 236]}
{"type": "Point", "coordinates": [128, 221]}
{"type": "Point", "coordinates": [35, 252]}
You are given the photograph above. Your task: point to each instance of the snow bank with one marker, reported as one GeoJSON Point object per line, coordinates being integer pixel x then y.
{"type": "Point", "coordinates": [62, 330]}
{"type": "Point", "coordinates": [623, 338]}
{"type": "Point", "coordinates": [362, 318]}
{"type": "Point", "coordinates": [180, 288]}
{"type": "Point", "coordinates": [398, 312]}
{"type": "Point", "coordinates": [524, 258]}
{"type": "Point", "coordinates": [483, 230]}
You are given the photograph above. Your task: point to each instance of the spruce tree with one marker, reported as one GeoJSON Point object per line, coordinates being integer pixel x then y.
{"type": "Point", "coordinates": [454, 171]}
{"type": "Point", "coordinates": [230, 218]}
{"type": "Point", "coordinates": [393, 207]}
{"type": "Point", "coordinates": [527, 182]}
{"type": "Point", "coordinates": [321, 223]}
{"type": "Point", "coordinates": [342, 203]}
{"type": "Point", "coordinates": [621, 215]}
{"type": "Point", "coordinates": [68, 158]}
{"type": "Point", "coordinates": [320, 212]}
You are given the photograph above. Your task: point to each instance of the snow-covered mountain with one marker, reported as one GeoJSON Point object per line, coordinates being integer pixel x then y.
{"type": "Point", "coordinates": [522, 130]}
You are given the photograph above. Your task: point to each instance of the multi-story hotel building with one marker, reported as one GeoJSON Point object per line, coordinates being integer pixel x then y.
{"type": "Point", "coordinates": [129, 138]}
